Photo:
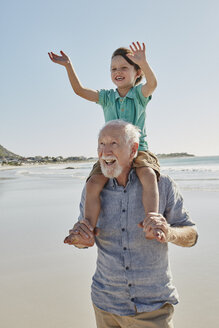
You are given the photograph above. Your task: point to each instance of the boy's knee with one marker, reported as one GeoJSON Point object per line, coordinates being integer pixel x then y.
{"type": "Point", "coordinates": [146, 172]}
{"type": "Point", "coordinates": [96, 182]}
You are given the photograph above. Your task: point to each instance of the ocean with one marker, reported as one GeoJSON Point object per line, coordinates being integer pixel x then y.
{"type": "Point", "coordinates": [191, 173]}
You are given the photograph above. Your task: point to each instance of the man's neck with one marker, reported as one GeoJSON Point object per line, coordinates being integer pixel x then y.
{"type": "Point", "coordinates": [122, 179]}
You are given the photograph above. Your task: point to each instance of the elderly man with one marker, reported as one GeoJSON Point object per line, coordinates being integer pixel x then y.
{"type": "Point", "coordinates": [132, 284]}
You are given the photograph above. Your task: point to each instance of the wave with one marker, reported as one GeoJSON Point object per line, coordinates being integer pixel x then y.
{"type": "Point", "coordinates": [189, 175]}
{"type": "Point", "coordinates": [191, 168]}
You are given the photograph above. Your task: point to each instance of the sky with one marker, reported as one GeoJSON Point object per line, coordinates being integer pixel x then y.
{"type": "Point", "coordinates": [41, 115]}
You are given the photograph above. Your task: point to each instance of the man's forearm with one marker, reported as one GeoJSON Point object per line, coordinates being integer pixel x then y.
{"type": "Point", "coordinates": [183, 236]}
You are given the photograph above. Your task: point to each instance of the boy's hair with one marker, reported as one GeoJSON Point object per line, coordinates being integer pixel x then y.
{"type": "Point", "coordinates": [123, 52]}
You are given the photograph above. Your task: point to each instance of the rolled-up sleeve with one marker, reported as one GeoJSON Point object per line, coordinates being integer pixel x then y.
{"type": "Point", "coordinates": [103, 98]}
{"type": "Point", "coordinates": [175, 212]}
{"type": "Point", "coordinates": [81, 206]}
{"type": "Point", "coordinates": [140, 97]}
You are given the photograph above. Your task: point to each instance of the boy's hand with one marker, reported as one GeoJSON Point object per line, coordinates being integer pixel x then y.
{"type": "Point", "coordinates": [138, 55]}
{"type": "Point", "coordinates": [63, 60]}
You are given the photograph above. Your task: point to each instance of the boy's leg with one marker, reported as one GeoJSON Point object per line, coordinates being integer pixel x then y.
{"type": "Point", "coordinates": [150, 193]}
{"type": "Point", "coordinates": [94, 187]}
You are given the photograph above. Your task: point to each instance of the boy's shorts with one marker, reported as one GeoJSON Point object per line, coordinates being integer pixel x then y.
{"type": "Point", "coordinates": [143, 159]}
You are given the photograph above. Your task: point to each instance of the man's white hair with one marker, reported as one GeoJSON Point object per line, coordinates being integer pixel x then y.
{"type": "Point", "coordinates": [131, 132]}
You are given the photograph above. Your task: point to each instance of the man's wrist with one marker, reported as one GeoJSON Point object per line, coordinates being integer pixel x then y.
{"type": "Point", "coordinates": [171, 235]}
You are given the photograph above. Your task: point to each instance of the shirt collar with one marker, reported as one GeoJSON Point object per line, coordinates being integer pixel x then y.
{"type": "Point", "coordinates": [130, 94]}
{"type": "Point", "coordinates": [114, 184]}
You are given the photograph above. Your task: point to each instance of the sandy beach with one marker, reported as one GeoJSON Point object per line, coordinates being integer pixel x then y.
{"type": "Point", "coordinates": [45, 283]}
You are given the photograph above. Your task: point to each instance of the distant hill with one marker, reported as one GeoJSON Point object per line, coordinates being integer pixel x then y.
{"type": "Point", "coordinates": [175, 155]}
{"type": "Point", "coordinates": [8, 155]}
{"type": "Point", "coordinates": [4, 153]}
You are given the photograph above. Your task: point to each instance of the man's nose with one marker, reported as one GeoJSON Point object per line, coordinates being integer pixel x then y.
{"type": "Point", "coordinates": [107, 150]}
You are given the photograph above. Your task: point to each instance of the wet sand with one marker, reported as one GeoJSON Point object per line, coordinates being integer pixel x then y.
{"type": "Point", "coordinates": [45, 283]}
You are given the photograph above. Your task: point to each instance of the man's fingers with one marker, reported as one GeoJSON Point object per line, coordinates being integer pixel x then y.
{"type": "Point", "coordinates": [83, 228]}
{"type": "Point", "coordinates": [87, 223]}
{"type": "Point", "coordinates": [84, 231]}
{"type": "Point", "coordinates": [159, 233]}
{"type": "Point", "coordinates": [154, 219]}
{"type": "Point", "coordinates": [160, 236]}
{"type": "Point", "coordinates": [155, 226]}
{"type": "Point", "coordinates": [153, 231]}
{"type": "Point", "coordinates": [153, 215]}
{"type": "Point", "coordinates": [75, 228]}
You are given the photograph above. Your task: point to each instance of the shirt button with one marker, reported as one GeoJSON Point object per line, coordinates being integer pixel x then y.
{"type": "Point", "coordinates": [123, 229]}
{"type": "Point", "coordinates": [123, 210]}
{"type": "Point", "coordinates": [125, 191]}
{"type": "Point", "coordinates": [132, 299]}
{"type": "Point", "coordinates": [124, 248]}
{"type": "Point", "coordinates": [129, 285]}
{"type": "Point", "coordinates": [127, 268]}
{"type": "Point", "coordinates": [122, 109]}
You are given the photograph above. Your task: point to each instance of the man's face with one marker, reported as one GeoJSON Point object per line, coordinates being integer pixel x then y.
{"type": "Point", "coordinates": [113, 152]}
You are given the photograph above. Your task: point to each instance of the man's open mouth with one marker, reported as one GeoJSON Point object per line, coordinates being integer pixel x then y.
{"type": "Point", "coordinates": [109, 162]}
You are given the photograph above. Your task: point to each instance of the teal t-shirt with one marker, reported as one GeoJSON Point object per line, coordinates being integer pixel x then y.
{"type": "Point", "coordinates": [131, 108]}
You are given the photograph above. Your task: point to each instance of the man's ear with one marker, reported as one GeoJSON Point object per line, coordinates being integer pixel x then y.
{"type": "Point", "coordinates": [134, 150]}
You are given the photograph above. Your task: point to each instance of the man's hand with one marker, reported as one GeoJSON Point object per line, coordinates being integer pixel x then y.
{"type": "Point", "coordinates": [63, 60]}
{"type": "Point", "coordinates": [156, 227]}
{"type": "Point", "coordinates": [82, 235]}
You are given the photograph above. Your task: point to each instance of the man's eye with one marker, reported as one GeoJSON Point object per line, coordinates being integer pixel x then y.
{"type": "Point", "coordinates": [114, 143]}
{"type": "Point", "coordinates": [113, 69]}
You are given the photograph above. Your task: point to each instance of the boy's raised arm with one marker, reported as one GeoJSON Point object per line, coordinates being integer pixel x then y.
{"type": "Point", "coordinates": [139, 58]}
{"type": "Point", "coordinates": [64, 60]}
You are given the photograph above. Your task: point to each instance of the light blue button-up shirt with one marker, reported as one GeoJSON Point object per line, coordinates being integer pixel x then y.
{"type": "Point", "coordinates": [131, 108]}
{"type": "Point", "coordinates": [133, 273]}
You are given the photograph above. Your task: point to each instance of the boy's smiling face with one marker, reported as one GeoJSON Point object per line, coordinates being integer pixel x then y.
{"type": "Point", "coordinates": [123, 74]}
